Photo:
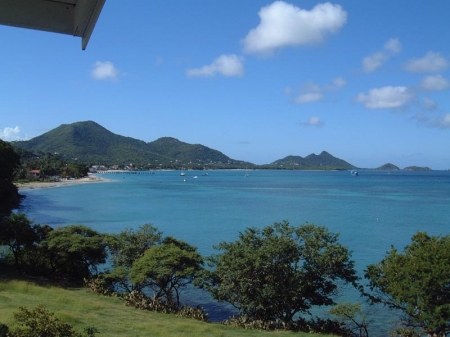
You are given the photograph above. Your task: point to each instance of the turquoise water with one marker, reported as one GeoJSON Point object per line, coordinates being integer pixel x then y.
{"type": "Point", "coordinates": [371, 212]}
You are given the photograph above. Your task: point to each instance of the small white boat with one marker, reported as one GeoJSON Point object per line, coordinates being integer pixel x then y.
{"type": "Point", "coordinates": [195, 177]}
{"type": "Point", "coordinates": [354, 173]}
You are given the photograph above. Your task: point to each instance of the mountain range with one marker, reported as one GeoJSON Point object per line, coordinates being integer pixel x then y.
{"type": "Point", "coordinates": [91, 143]}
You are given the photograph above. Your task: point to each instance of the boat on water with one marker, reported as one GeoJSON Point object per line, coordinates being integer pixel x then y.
{"type": "Point", "coordinates": [354, 173]}
{"type": "Point", "coordinates": [182, 174]}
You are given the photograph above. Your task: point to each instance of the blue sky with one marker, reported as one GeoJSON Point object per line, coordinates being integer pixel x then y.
{"type": "Point", "coordinates": [367, 81]}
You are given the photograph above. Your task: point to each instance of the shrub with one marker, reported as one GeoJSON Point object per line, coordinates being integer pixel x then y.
{"type": "Point", "coordinates": [41, 322]}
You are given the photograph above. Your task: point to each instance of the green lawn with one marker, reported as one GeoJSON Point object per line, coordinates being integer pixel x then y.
{"type": "Point", "coordinates": [110, 316]}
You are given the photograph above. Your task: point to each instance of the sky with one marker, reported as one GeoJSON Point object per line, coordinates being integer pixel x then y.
{"type": "Point", "coordinates": [366, 81]}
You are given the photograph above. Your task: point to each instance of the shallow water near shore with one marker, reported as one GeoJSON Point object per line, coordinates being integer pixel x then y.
{"type": "Point", "coordinates": [371, 212]}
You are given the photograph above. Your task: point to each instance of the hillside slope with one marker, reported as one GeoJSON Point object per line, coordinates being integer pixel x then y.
{"type": "Point", "coordinates": [91, 143]}
{"type": "Point", "coordinates": [323, 161]}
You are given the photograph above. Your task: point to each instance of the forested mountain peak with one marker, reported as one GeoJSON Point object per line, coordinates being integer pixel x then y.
{"type": "Point", "coordinates": [91, 143]}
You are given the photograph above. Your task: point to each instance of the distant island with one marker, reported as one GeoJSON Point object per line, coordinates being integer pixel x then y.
{"type": "Point", "coordinates": [392, 167]}
{"type": "Point", "coordinates": [388, 167]}
{"type": "Point", "coordinates": [90, 143]}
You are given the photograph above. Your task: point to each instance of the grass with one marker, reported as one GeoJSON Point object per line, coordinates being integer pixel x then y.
{"type": "Point", "coordinates": [109, 315]}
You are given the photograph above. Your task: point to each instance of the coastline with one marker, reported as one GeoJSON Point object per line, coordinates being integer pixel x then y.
{"type": "Point", "coordinates": [70, 182]}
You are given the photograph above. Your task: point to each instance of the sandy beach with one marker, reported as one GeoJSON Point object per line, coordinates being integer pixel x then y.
{"type": "Point", "coordinates": [70, 182]}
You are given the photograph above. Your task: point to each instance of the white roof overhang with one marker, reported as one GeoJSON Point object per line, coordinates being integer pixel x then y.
{"type": "Point", "coordinates": [72, 17]}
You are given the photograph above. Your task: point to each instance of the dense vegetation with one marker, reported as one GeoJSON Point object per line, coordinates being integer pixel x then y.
{"type": "Point", "coordinates": [417, 283]}
{"type": "Point", "coordinates": [82, 309]}
{"type": "Point", "coordinates": [9, 163]}
{"type": "Point", "coordinates": [323, 161]}
{"type": "Point", "coordinates": [50, 166]}
{"type": "Point", "coordinates": [269, 275]}
{"type": "Point", "coordinates": [273, 274]}
{"type": "Point", "coordinates": [90, 143]}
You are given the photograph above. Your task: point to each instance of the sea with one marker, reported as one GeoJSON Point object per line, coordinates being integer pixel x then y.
{"type": "Point", "coordinates": [371, 212]}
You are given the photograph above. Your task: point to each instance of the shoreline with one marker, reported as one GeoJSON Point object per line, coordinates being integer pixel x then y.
{"type": "Point", "coordinates": [61, 183]}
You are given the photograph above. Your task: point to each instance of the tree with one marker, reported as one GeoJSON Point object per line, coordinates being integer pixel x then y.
{"type": "Point", "coordinates": [168, 268]}
{"type": "Point", "coordinates": [9, 162]}
{"type": "Point", "coordinates": [74, 252]}
{"type": "Point", "coordinates": [17, 233]}
{"type": "Point", "coordinates": [271, 274]}
{"type": "Point", "coordinates": [353, 317]}
{"type": "Point", "coordinates": [127, 247]}
{"type": "Point", "coordinates": [416, 282]}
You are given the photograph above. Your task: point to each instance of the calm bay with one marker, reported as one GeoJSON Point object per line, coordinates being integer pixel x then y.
{"type": "Point", "coordinates": [371, 212]}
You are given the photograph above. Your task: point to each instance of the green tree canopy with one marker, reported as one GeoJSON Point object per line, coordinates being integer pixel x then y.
{"type": "Point", "coordinates": [16, 233]}
{"type": "Point", "coordinates": [276, 272]}
{"type": "Point", "coordinates": [9, 162]}
{"type": "Point", "coordinates": [74, 252]}
{"type": "Point", "coordinates": [417, 282]}
{"type": "Point", "coordinates": [127, 247]}
{"type": "Point", "coordinates": [168, 268]}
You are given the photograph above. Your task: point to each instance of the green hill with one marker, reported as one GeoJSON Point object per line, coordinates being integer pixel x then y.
{"type": "Point", "coordinates": [323, 161]}
{"type": "Point", "coordinates": [91, 143]}
{"type": "Point", "coordinates": [417, 168]}
{"type": "Point", "coordinates": [82, 309]}
{"type": "Point", "coordinates": [388, 167]}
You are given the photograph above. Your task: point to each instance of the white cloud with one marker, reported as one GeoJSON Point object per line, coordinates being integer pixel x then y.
{"type": "Point", "coordinates": [372, 62]}
{"type": "Point", "coordinates": [105, 71]}
{"type": "Point", "coordinates": [376, 60]}
{"type": "Point", "coordinates": [428, 105]}
{"type": "Point", "coordinates": [337, 84]}
{"type": "Point", "coordinates": [385, 98]}
{"type": "Point", "coordinates": [432, 62]}
{"type": "Point", "coordinates": [312, 92]}
{"type": "Point", "coordinates": [393, 46]}
{"type": "Point", "coordinates": [282, 24]}
{"type": "Point", "coordinates": [434, 83]}
{"type": "Point", "coordinates": [10, 134]}
{"type": "Point", "coordinates": [313, 121]}
{"type": "Point", "coordinates": [226, 65]}
{"type": "Point", "coordinates": [442, 122]}
{"type": "Point", "coordinates": [309, 97]}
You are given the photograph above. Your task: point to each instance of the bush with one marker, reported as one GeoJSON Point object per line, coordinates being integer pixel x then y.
{"type": "Point", "coordinates": [141, 301]}
{"type": "Point", "coordinates": [40, 322]}
{"type": "Point", "coordinates": [4, 330]}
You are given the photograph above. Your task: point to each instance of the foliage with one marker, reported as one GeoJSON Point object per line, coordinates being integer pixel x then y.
{"type": "Point", "coordinates": [127, 247]}
{"type": "Point", "coordinates": [353, 317]}
{"type": "Point", "coordinates": [311, 325]}
{"type": "Point", "coordinates": [276, 272]}
{"type": "Point", "coordinates": [4, 330]}
{"type": "Point", "coordinates": [101, 285]}
{"type": "Point", "coordinates": [416, 282]}
{"type": "Point", "coordinates": [17, 233]}
{"type": "Point", "coordinates": [50, 166]}
{"type": "Point", "coordinates": [23, 241]}
{"type": "Point", "coordinates": [81, 309]}
{"type": "Point", "coordinates": [9, 163]}
{"type": "Point", "coordinates": [74, 252]}
{"type": "Point", "coordinates": [140, 301]}
{"type": "Point", "coordinates": [41, 322]}
{"type": "Point", "coordinates": [91, 143]}
{"type": "Point", "coordinates": [167, 269]}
